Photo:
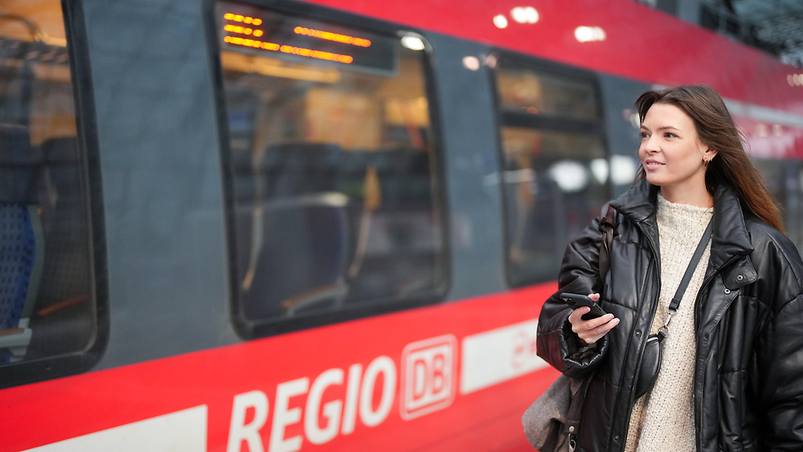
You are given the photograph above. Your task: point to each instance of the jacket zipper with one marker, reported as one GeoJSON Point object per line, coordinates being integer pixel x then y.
{"type": "Point", "coordinates": [697, 393]}
{"type": "Point", "coordinates": [656, 262]}
{"type": "Point", "coordinates": [698, 397]}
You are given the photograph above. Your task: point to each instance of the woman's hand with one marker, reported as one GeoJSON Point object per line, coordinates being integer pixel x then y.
{"type": "Point", "coordinates": [590, 331]}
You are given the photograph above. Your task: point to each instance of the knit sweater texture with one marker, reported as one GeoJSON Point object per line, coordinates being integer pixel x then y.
{"type": "Point", "coordinates": [663, 419]}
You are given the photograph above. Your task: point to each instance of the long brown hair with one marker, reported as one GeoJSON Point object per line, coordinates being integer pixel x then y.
{"type": "Point", "coordinates": [731, 166]}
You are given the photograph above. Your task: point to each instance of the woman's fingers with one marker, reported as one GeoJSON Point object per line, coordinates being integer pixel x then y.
{"type": "Point", "coordinates": [590, 331]}
{"type": "Point", "coordinates": [595, 334]}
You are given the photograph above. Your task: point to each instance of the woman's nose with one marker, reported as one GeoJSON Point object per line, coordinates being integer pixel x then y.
{"type": "Point", "coordinates": [650, 144]}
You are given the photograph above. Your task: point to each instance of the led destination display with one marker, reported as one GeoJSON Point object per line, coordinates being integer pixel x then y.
{"type": "Point", "coordinates": [248, 29]}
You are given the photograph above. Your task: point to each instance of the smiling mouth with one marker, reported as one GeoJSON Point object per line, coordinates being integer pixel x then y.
{"type": "Point", "coordinates": [652, 164]}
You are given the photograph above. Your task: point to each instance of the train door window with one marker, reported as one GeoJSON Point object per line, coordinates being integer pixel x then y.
{"type": "Point", "coordinates": [784, 179]}
{"type": "Point", "coordinates": [48, 310]}
{"type": "Point", "coordinates": [555, 172]}
{"type": "Point", "coordinates": [335, 203]}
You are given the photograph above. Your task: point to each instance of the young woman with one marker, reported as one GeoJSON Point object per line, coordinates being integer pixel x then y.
{"type": "Point", "coordinates": [731, 369]}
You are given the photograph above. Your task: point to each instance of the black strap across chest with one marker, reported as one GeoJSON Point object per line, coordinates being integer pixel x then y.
{"type": "Point", "coordinates": [695, 260]}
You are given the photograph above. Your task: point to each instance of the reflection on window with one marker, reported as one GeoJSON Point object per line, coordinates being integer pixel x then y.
{"type": "Point", "coordinates": [333, 166]}
{"type": "Point", "coordinates": [555, 174]}
{"type": "Point", "coordinates": [525, 91]}
{"type": "Point", "coordinates": [784, 179]}
{"type": "Point", "coordinates": [46, 308]}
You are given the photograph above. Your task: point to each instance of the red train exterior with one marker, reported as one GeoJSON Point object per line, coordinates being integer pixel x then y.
{"type": "Point", "coordinates": [450, 376]}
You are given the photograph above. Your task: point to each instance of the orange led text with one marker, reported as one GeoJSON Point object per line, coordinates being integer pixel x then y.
{"type": "Point", "coordinates": [244, 19]}
{"type": "Point", "coordinates": [345, 39]}
{"type": "Point", "coordinates": [309, 53]}
{"type": "Point", "coordinates": [243, 30]}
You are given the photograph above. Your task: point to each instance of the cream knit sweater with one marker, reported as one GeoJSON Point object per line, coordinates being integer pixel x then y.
{"type": "Point", "coordinates": [663, 419]}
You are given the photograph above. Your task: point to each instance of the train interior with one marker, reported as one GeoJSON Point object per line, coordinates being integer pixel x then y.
{"type": "Point", "coordinates": [45, 299]}
{"type": "Point", "coordinates": [335, 182]}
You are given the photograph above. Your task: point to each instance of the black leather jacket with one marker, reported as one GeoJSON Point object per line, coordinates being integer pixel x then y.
{"type": "Point", "coordinates": [748, 385]}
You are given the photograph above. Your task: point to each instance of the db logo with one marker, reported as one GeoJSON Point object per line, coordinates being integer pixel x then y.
{"type": "Point", "coordinates": [428, 374]}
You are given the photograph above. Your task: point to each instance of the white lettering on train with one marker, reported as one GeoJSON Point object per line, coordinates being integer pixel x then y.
{"type": "Point", "coordinates": [239, 431]}
{"type": "Point", "coordinates": [352, 394]}
{"type": "Point", "coordinates": [283, 416]}
{"type": "Point", "coordinates": [385, 366]}
{"type": "Point", "coordinates": [429, 374]}
{"type": "Point", "coordinates": [331, 411]}
{"type": "Point", "coordinates": [360, 389]}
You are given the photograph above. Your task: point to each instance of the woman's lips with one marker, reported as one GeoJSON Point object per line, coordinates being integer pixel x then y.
{"type": "Point", "coordinates": [652, 164]}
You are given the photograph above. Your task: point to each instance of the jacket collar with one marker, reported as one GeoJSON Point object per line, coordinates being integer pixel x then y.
{"type": "Point", "coordinates": [730, 232]}
{"type": "Point", "coordinates": [638, 203]}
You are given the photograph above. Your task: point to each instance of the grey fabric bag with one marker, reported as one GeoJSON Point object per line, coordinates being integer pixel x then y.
{"type": "Point", "coordinates": [551, 422]}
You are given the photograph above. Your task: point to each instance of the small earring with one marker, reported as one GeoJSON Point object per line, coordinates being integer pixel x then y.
{"type": "Point", "coordinates": [705, 162]}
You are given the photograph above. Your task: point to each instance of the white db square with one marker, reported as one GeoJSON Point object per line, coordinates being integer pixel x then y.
{"type": "Point", "coordinates": [428, 376]}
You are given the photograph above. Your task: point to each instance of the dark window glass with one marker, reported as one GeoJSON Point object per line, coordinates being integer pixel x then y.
{"type": "Point", "coordinates": [784, 179]}
{"type": "Point", "coordinates": [523, 90]}
{"type": "Point", "coordinates": [333, 170]}
{"type": "Point", "coordinates": [555, 173]}
{"type": "Point", "coordinates": [46, 299]}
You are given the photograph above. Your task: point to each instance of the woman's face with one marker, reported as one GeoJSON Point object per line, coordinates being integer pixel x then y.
{"type": "Point", "coordinates": [672, 153]}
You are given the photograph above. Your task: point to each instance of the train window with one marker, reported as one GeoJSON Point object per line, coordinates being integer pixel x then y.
{"type": "Point", "coordinates": [540, 93]}
{"type": "Point", "coordinates": [332, 166]}
{"type": "Point", "coordinates": [47, 302]}
{"type": "Point", "coordinates": [784, 180]}
{"type": "Point", "coordinates": [555, 171]}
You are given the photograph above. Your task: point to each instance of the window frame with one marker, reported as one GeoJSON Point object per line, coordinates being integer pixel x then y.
{"type": "Point", "coordinates": [536, 122]}
{"type": "Point", "coordinates": [25, 372]}
{"type": "Point", "coordinates": [250, 328]}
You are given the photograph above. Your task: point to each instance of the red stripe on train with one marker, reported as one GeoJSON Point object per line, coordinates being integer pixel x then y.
{"type": "Point", "coordinates": [241, 388]}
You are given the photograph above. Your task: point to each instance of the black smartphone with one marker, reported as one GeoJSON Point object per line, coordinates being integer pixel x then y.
{"type": "Point", "coordinates": [575, 301]}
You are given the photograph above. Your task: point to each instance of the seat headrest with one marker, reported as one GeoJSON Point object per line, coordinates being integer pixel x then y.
{"type": "Point", "coordinates": [60, 150]}
{"type": "Point", "coordinates": [15, 146]}
{"type": "Point", "coordinates": [317, 156]}
{"type": "Point", "coordinates": [19, 164]}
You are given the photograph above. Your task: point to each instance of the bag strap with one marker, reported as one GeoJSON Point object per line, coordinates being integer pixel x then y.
{"type": "Point", "coordinates": [684, 283]}
{"type": "Point", "coordinates": [695, 259]}
{"type": "Point", "coordinates": [572, 424]}
{"type": "Point", "coordinates": [606, 224]}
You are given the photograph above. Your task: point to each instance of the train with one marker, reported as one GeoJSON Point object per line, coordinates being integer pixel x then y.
{"type": "Point", "coordinates": [276, 225]}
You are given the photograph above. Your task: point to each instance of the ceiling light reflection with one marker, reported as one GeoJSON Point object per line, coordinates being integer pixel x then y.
{"type": "Point", "coordinates": [571, 176]}
{"type": "Point", "coordinates": [412, 42]}
{"type": "Point", "coordinates": [623, 169]}
{"type": "Point", "coordinates": [588, 34]}
{"type": "Point", "coordinates": [600, 170]}
{"type": "Point", "coordinates": [635, 120]}
{"type": "Point", "coordinates": [471, 63]}
{"type": "Point", "coordinates": [525, 14]}
{"type": "Point", "coordinates": [500, 21]}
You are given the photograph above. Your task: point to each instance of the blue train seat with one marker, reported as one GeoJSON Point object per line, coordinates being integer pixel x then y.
{"type": "Point", "coordinates": [21, 241]}
{"type": "Point", "coordinates": [302, 259]}
{"type": "Point", "coordinates": [282, 170]}
{"type": "Point", "coordinates": [65, 225]}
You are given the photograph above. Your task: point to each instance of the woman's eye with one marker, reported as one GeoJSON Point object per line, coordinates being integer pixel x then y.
{"type": "Point", "coordinates": [670, 135]}
{"type": "Point", "coordinates": [644, 135]}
